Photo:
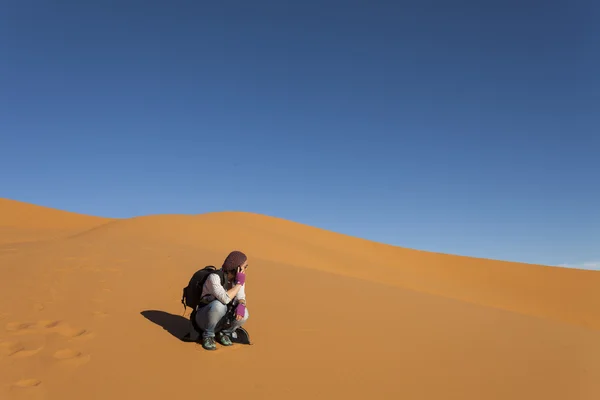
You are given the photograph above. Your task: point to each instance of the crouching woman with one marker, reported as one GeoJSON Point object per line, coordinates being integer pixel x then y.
{"type": "Point", "coordinates": [213, 315]}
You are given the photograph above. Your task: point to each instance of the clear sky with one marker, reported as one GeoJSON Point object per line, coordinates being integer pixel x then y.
{"type": "Point", "coordinates": [462, 127]}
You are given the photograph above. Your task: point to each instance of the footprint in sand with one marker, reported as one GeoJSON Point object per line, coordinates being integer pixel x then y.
{"type": "Point", "coordinates": [64, 329]}
{"type": "Point", "coordinates": [71, 357]}
{"type": "Point", "coordinates": [20, 327]}
{"type": "Point", "coordinates": [52, 323]}
{"type": "Point", "coordinates": [10, 348]}
{"type": "Point", "coordinates": [30, 327]}
{"type": "Point", "coordinates": [73, 332]}
{"type": "Point", "coordinates": [27, 383]}
{"type": "Point", "coordinates": [22, 349]}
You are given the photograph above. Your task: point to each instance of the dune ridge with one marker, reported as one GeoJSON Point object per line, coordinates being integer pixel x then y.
{"type": "Point", "coordinates": [90, 307]}
{"type": "Point", "coordinates": [524, 288]}
{"type": "Point", "coordinates": [22, 222]}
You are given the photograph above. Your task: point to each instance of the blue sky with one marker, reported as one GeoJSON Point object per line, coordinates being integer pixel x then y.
{"type": "Point", "coordinates": [457, 127]}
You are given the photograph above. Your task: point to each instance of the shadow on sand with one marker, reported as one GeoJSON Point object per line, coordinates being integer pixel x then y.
{"type": "Point", "coordinates": [178, 326]}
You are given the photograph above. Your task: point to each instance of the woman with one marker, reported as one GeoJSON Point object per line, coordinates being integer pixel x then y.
{"type": "Point", "coordinates": [217, 300]}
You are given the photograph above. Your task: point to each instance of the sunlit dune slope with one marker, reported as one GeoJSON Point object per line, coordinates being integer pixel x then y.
{"type": "Point", "coordinates": [95, 313]}
{"type": "Point", "coordinates": [24, 222]}
{"type": "Point", "coordinates": [557, 293]}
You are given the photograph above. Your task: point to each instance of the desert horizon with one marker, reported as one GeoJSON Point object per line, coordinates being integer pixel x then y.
{"type": "Point", "coordinates": [91, 307]}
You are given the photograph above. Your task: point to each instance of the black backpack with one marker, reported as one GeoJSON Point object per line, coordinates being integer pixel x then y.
{"type": "Point", "coordinates": [192, 293]}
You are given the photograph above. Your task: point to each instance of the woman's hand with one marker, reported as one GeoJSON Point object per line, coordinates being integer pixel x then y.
{"type": "Point", "coordinates": [240, 311]}
{"type": "Point", "coordinates": [240, 276]}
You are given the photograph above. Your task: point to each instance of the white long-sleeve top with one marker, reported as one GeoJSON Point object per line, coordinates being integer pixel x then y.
{"type": "Point", "coordinates": [212, 289]}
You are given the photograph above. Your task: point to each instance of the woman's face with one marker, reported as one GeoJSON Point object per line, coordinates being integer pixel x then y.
{"type": "Point", "coordinates": [230, 275]}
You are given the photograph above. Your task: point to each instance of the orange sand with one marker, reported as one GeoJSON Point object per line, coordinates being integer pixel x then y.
{"type": "Point", "coordinates": [89, 309]}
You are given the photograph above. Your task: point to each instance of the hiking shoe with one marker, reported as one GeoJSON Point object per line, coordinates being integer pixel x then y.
{"type": "Point", "coordinates": [209, 343]}
{"type": "Point", "coordinates": [224, 339]}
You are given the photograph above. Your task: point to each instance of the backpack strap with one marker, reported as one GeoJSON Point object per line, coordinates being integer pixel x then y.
{"type": "Point", "coordinates": [223, 276]}
{"type": "Point", "coordinates": [183, 302]}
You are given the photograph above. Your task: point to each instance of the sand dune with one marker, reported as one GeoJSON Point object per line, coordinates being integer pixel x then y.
{"type": "Point", "coordinates": [91, 308]}
{"type": "Point", "coordinates": [22, 222]}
